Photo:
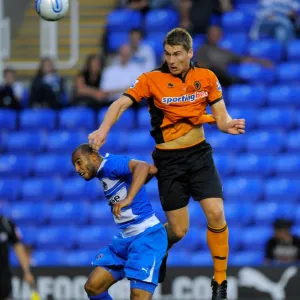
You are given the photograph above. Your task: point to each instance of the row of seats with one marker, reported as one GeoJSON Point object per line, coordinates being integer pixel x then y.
{"type": "Point", "coordinates": [176, 258]}
{"type": "Point", "coordinates": [48, 165]}
{"type": "Point", "coordinates": [81, 211]}
{"type": "Point", "coordinates": [256, 141]}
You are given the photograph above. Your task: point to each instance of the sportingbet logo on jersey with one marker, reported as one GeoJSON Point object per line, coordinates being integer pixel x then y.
{"type": "Point", "coordinates": [185, 98]}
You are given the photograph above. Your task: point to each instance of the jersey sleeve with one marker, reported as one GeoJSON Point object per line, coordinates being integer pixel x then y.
{"type": "Point", "coordinates": [215, 91]}
{"type": "Point", "coordinates": [120, 166]}
{"type": "Point", "coordinates": [139, 90]}
{"type": "Point", "coordinates": [14, 235]}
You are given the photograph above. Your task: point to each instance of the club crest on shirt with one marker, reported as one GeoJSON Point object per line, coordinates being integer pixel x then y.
{"type": "Point", "coordinates": [197, 85]}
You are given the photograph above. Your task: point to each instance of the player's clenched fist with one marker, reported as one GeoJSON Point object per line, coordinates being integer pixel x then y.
{"type": "Point", "coordinates": [236, 126]}
{"type": "Point", "coordinates": [97, 139]}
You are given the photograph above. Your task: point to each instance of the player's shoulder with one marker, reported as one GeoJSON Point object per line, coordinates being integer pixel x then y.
{"type": "Point", "coordinates": [110, 161]}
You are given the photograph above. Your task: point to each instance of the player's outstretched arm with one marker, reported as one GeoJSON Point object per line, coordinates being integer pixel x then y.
{"type": "Point", "coordinates": [140, 171]}
{"type": "Point", "coordinates": [224, 122]}
{"type": "Point", "coordinates": [114, 112]}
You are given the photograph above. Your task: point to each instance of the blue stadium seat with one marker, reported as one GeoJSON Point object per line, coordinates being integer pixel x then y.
{"type": "Point", "coordinates": [224, 163]}
{"type": "Point", "coordinates": [244, 113]}
{"type": "Point", "coordinates": [297, 118]}
{"type": "Point", "coordinates": [41, 189]}
{"type": "Point", "coordinates": [65, 141]}
{"type": "Point", "coordinates": [246, 258]}
{"type": "Point", "coordinates": [284, 95]}
{"type": "Point", "coordinates": [12, 165]}
{"type": "Point", "coordinates": [293, 50]}
{"type": "Point", "coordinates": [38, 119]}
{"type": "Point", "coordinates": [115, 142]}
{"type": "Point", "coordinates": [256, 73]}
{"type": "Point", "coordinates": [288, 72]}
{"type": "Point", "coordinates": [261, 234]}
{"type": "Point", "coordinates": [8, 119]}
{"type": "Point", "coordinates": [236, 21]}
{"type": "Point", "coordinates": [268, 49]}
{"type": "Point", "coordinates": [161, 20]}
{"type": "Point", "coordinates": [53, 164]}
{"type": "Point", "coordinates": [49, 257]}
{"type": "Point", "coordinates": [249, 8]}
{"type": "Point", "coordinates": [140, 140]}
{"type": "Point", "coordinates": [29, 234]}
{"type": "Point", "coordinates": [10, 188]}
{"type": "Point", "coordinates": [198, 41]}
{"type": "Point", "coordinates": [201, 258]}
{"type": "Point", "coordinates": [237, 188]}
{"type": "Point", "coordinates": [246, 95]}
{"type": "Point", "coordinates": [224, 142]}
{"type": "Point", "coordinates": [276, 118]}
{"type": "Point", "coordinates": [179, 258]}
{"type": "Point", "coordinates": [68, 213]}
{"type": "Point", "coordinates": [278, 189]}
{"type": "Point", "coordinates": [28, 213]}
{"type": "Point", "coordinates": [234, 237]}
{"type": "Point", "coordinates": [127, 120]}
{"type": "Point", "coordinates": [259, 141]}
{"type": "Point", "coordinates": [196, 214]}
{"type": "Point", "coordinates": [254, 164]}
{"type": "Point", "coordinates": [233, 212]}
{"type": "Point", "coordinates": [152, 190]}
{"type": "Point", "coordinates": [80, 258]}
{"type": "Point", "coordinates": [287, 164]}
{"type": "Point", "coordinates": [56, 237]}
{"type": "Point", "coordinates": [265, 213]}
{"type": "Point", "coordinates": [123, 20]}
{"type": "Point", "coordinates": [90, 237]}
{"type": "Point", "coordinates": [143, 118]}
{"type": "Point", "coordinates": [24, 142]}
{"type": "Point", "coordinates": [292, 142]}
{"type": "Point", "coordinates": [191, 241]}
{"type": "Point", "coordinates": [77, 118]}
{"type": "Point", "coordinates": [116, 40]}
{"type": "Point", "coordinates": [100, 212]}
{"type": "Point", "coordinates": [235, 42]}
{"type": "Point", "coordinates": [155, 41]}
{"type": "Point", "coordinates": [77, 187]}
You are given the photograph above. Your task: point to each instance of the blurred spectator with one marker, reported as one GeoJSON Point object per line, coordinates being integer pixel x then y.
{"type": "Point", "coordinates": [217, 59]}
{"type": "Point", "coordinates": [283, 247]}
{"type": "Point", "coordinates": [12, 91]}
{"type": "Point", "coordinates": [276, 18]}
{"type": "Point", "coordinates": [119, 76]}
{"type": "Point", "coordinates": [142, 54]}
{"type": "Point", "coordinates": [196, 14]}
{"type": "Point", "coordinates": [144, 5]}
{"type": "Point", "coordinates": [87, 92]}
{"type": "Point", "coordinates": [10, 236]}
{"type": "Point", "coordinates": [47, 88]}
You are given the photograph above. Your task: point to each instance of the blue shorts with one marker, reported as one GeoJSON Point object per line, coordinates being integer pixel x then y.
{"type": "Point", "coordinates": [138, 257]}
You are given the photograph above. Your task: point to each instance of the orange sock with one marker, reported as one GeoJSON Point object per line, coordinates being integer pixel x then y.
{"type": "Point", "coordinates": [217, 239]}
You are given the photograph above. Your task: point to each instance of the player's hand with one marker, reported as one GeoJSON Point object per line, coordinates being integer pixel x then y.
{"type": "Point", "coordinates": [236, 126]}
{"type": "Point", "coordinates": [28, 277]}
{"type": "Point", "coordinates": [119, 205]}
{"type": "Point", "coordinates": [97, 139]}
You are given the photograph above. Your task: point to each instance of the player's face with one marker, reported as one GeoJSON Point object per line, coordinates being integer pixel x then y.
{"type": "Point", "coordinates": [178, 59]}
{"type": "Point", "coordinates": [84, 165]}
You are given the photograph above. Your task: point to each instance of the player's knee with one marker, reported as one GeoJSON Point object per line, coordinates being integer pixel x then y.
{"type": "Point", "coordinates": [215, 215]}
{"type": "Point", "coordinates": [177, 234]}
{"type": "Point", "coordinates": [92, 289]}
{"type": "Point", "coordinates": [136, 294]}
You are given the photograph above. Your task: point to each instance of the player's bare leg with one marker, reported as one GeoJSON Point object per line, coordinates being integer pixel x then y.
{"type": "Point", "coordinates": [99, 281]}
{"type": "Point", "coordinates": [137, 294]}
{"type": "Point", "coordinates": [217, 239]}
{"type": "Point", "coordinates": [177, 227]}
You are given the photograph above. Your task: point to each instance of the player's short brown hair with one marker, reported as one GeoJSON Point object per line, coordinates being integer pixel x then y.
{"type": "Point", "coordinates": [179, 36]}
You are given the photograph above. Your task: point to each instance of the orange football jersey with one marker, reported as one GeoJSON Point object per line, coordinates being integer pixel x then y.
{"type": "Point", "coordinates": [176, 104]}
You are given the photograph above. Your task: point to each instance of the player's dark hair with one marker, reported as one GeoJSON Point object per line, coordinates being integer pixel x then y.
{"type": "Point", "coordinates": [179, 36]}
{"type": "Point", "coordinates": [86, 149]}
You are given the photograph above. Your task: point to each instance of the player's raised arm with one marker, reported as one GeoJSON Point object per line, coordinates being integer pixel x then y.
{"type": "Point", "coordinates": [141, 172]}
{"type": "Point", "coordinates": [114, 112]}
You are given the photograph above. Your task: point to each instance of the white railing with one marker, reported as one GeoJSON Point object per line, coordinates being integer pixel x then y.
{"type": "Point", "coordinates": [50, 30]}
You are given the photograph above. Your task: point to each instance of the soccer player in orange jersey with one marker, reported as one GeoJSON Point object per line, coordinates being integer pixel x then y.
{"type": "Point", "coordinates": [177, 94]}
